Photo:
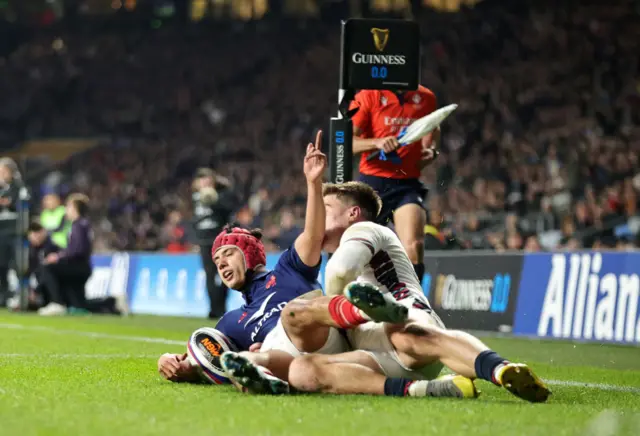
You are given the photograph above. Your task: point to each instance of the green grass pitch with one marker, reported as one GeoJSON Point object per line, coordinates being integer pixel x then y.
{"type": "Point", "coordinates": [97, 376]}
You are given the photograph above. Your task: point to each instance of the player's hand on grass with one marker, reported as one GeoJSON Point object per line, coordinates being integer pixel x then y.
{"type": "Point", "coordinates": [315, 161]}
{"type": "Point", "coordinates": [169, 366]}
{"type": "Point", "coordinates": [388, 144]}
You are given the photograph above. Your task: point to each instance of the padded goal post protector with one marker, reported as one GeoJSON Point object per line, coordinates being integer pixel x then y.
{"type": "Point", "coordinates": [340, 150]}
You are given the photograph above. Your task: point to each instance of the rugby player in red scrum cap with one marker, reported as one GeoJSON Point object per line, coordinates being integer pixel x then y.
{"type": "Point", "coordinates": [291, 286]}
{"type": "Point", "coordinates": [395, 174]}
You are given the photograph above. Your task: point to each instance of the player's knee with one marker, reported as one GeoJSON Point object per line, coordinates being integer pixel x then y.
{"type": "Point", "coordinates": [305, 374]}
{"type": "Point", "coordinates": [296, 316]}
{"type": "Point", "coordinates": [305, 332]}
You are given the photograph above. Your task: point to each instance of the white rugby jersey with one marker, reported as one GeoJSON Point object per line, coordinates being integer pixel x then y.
{"type": "Point", "coordinates": [389, 267]}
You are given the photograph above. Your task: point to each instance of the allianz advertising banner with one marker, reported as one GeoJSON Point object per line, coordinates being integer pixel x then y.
{"type": "Point", "coordinates": [582, 296]}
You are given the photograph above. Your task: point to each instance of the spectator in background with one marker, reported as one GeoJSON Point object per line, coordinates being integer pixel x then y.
{"type": "Point", "coordinates": [522, 143]}
{"type": "Point", "coordinates": [174, 234]}
{"type": "Point", "coordinates": [532, 244]}
{"type": "Point", "coordinates": [568, 230]}
{"type": "Point", "coordinates": [514, 241]}
{"type": "Point", "coordinates": [65, 274]}
{"type": "Point", "coordinates": [289, 230]}
{"type": "Point", "coordinates": [214, 203]}
{"type": "Point", "coordinates": [9, 197]}
{"type": "Point", "coordinates": [433, 238]}
{"type": "Point", "coordinates": [53, 220]}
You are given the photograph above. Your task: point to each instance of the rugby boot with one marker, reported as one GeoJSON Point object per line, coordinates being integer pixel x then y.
{"type": "Point", "coordinates": [254, 378]}
{"type": "Point", "coordinates": [450, 386]}
{"type": "Point", "coordinates": [378, 306]}
{"type": "Point", "coordinates": [520, 380]}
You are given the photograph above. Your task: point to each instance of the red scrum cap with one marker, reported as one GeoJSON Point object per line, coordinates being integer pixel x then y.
{"type": "Point", "coordinates": [251, 246]}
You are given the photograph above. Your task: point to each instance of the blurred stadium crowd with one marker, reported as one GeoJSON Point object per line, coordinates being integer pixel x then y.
{"type": "Point", "coordinates": [542, 153]}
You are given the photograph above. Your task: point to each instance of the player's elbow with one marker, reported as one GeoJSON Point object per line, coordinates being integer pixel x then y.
{"type": "Point", "coordinates": [309, 248]}
{"type": "Point", "coordinates": [337, 278]}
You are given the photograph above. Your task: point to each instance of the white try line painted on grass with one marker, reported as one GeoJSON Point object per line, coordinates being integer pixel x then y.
{"type": "Point", "coordinates": [94, 334]}
{"type": "Point", "coordinates": [566, 383]}
{"type": "Point", "coordinates": [78, 356]}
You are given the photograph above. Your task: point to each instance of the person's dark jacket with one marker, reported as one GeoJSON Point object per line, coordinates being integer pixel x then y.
{"type": "Point", "coordinates": [209, 219]}
{"type": "Point", "coordinates": [80, 246]}
{"type": "Point", "coordinates": [39, 253]}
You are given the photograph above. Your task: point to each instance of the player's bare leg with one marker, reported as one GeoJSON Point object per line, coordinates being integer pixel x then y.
{"type": "Point", "coordinates": [357, 372]}
{"type": "Point", "coordinates": [348, 373]}
{"type": "Point", "coordinates": [307, 323]}
{"type": "Point", "coordinates": [420, 342]}
{"type": "Point", "coordinates": [409, 221]}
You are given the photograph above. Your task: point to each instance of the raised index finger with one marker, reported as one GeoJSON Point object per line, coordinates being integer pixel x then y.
{"type": "Point", "coordinates": [318, 144]}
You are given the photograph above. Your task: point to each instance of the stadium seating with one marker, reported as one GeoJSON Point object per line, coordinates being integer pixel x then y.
{"type": "Point", "coordinates": [544, 143]}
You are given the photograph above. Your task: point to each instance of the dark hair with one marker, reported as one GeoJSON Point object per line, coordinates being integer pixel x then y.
{"type": "Point", "coordinates": [205, 172]}
{"type": "Point", "coordinates": [81, 203]}
{"type": "Point", "coordinates": [256, 233]}
{"type": "Point", "coordinates": [35, 226]}
{"type": "Point", "coordinates": [356, 194]}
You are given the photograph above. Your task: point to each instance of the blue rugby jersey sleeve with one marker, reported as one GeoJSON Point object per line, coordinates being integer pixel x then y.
{"type": "Point", "coordinates": [291, 260]}
{"type": "Point", "coordinates": [230, 327]}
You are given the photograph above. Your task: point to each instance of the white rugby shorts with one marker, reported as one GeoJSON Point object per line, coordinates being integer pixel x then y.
{"type": "Point", "coordinates": [373, 339]}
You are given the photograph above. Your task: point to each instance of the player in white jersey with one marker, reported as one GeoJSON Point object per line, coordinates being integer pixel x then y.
{"type": "Point", "coordinates": [408, 345]}
{"type": "Point", "coordinates": [373, 254]}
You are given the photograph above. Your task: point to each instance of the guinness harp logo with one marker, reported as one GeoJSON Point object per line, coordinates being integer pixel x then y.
{"type": "Point", "coordinates": [380, 38]}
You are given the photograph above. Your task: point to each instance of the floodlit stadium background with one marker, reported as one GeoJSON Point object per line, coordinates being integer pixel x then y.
{"type": "Point", "coordinates": [533, 200]}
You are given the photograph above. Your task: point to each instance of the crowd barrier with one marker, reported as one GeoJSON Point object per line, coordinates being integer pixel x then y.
{"type": "Point", "coordinates": [160, 284]}
{"type": "Point", "coordinates": [588, 296]}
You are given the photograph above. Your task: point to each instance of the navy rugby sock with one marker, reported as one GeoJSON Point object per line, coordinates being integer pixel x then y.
{"type": "Point", "coordinates": [486, 364]}
{"type": "Point", "coordinates": [397, 387]}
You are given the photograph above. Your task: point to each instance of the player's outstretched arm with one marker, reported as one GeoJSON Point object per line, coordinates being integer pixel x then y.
{"type": "Point", "coordinates": [345, 265]}
{"type": "Point", "coordinates": [309, 244]}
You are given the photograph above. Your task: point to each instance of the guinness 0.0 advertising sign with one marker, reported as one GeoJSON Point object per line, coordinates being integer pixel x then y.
{"type": "Point", "coordinates": [380, 54]}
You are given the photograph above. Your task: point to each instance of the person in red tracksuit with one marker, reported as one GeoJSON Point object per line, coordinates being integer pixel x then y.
{"type": "Point", "coordinates": [395, 173]}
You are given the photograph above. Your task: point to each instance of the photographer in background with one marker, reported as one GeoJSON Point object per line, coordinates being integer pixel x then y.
{"type": "Point", "coordinates": [213, 203]}
{"type": "Point", "coordinates": [40, 246]}
{"type": "Point", "coordinates": [10, 184]}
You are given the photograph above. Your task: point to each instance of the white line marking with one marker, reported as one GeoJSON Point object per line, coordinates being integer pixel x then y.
{"type": "Point", "coordinates": [599, 386]}
{"type": "Point", "coordinates": [95, 334]}
{"type": "Point", "coordinates": [77, 356]}
{"type": "Point", "coordinates": [568, 383]}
